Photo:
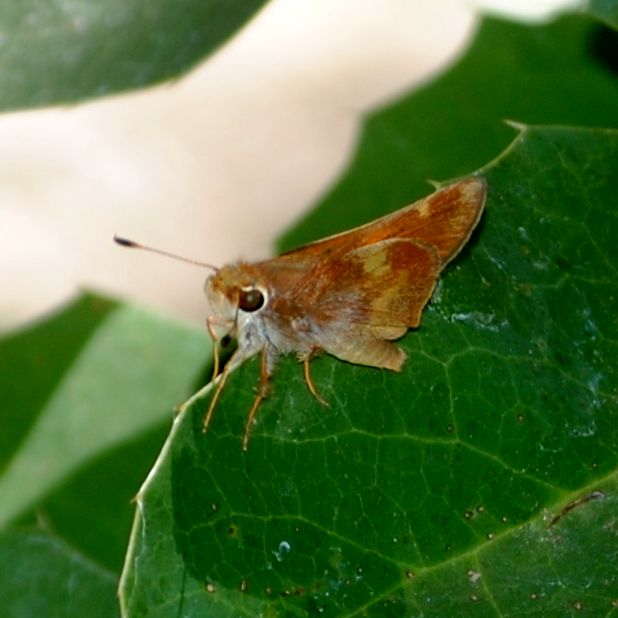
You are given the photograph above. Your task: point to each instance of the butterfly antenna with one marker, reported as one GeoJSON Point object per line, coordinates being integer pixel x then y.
{"type": "Point", "coordinates": [131, 244]}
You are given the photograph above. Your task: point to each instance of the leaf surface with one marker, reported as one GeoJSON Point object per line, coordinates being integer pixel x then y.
{"type": "Point", "coordinates": [431, 492]}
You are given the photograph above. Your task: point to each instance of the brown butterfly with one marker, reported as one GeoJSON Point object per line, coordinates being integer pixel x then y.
{"type": "Point", "coordinates": [348, 295]}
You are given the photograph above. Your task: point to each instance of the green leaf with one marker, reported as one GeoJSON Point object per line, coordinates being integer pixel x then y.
{"type": "Point", "coordinates": [41, 576]}
{"type": "Point", "coordinates": [60, 52]}
{"type": "Point", "coordinates": [605, 10]}
{"type": "Point", "coordinates": [429, 492]}
{"type": "Point", "coordinates": [559, 73]}
{"type": "Point", "coordinates": [78, 438]}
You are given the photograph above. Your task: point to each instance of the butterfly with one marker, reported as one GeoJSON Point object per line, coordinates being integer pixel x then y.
{"type": "Point", "coordinates": [349, 295]}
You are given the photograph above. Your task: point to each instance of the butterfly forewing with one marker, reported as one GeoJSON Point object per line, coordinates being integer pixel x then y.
{"type": "Point", "coordinates": [443, 220]}
{"type": "Point", "coordinates": [383, 273]}
{"type": "Point", "coordinates": [351, 293]}
{"type": "Point", "coordinates": [388, 282]}
{"type": "Point", "coordinates": [446, 219]}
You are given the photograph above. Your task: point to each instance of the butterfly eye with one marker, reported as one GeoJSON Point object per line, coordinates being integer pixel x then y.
{"type": "Point", "coordinates": [250, 300]}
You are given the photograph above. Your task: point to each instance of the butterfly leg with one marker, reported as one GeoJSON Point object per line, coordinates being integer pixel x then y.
{"type": "Point", "coordinates": [211, 322]}
{"type": "Point", "coordinates": [215, 399]}
{"type": "Point", "coordinates": [309, 380]}
{"type": "Point", "coordinates": [261, 395]}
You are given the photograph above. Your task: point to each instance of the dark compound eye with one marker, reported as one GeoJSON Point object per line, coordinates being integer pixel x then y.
{"type": "Point", "coordinates": [250, 300]}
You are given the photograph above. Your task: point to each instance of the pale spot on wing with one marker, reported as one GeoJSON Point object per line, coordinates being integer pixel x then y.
{"type": "Point", "coordinates": [389, 297]}
{"type": "Point", "coordinates": [424, 209]}
{"type": "Point", "coordinates": [377, 264]}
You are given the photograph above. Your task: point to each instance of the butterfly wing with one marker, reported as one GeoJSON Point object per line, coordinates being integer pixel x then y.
{"type": "Point", "coordinates": [352, 306]}
{"type": "Point", "coordinates": [380, 292]}
{"type": "Point", "coordinates": [393, 279]}
{"type": "Point", "coordinates": [351, 293]}
{"type": "Point", "coordinates": [444, 220]}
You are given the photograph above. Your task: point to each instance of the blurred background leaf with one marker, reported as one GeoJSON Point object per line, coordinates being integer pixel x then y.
{"type": "Point", "coordinates": [77, 440]}
{"type": "Point", "coordinates": [43, 576]}
{"type": "Point", "coordinates": [62, 52]}
{"type": "Point", "coordinates": [605, 10]}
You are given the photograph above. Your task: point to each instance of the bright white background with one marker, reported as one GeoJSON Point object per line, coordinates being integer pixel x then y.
{"type": "Point", "coordinates": [214, 165]}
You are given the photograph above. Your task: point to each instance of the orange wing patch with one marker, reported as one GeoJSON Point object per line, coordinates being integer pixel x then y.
{"type": "Point", "coordinates": [443, 220]}
{"type": "Point", "coordinates": [398, 279]}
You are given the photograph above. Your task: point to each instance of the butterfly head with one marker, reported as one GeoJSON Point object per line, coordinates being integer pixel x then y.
{"type": "Point", "coordinates": [236, 295]}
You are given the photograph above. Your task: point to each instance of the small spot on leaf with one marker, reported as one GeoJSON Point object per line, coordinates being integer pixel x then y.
{"type": "Point", "coordinates": [473, 576]}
